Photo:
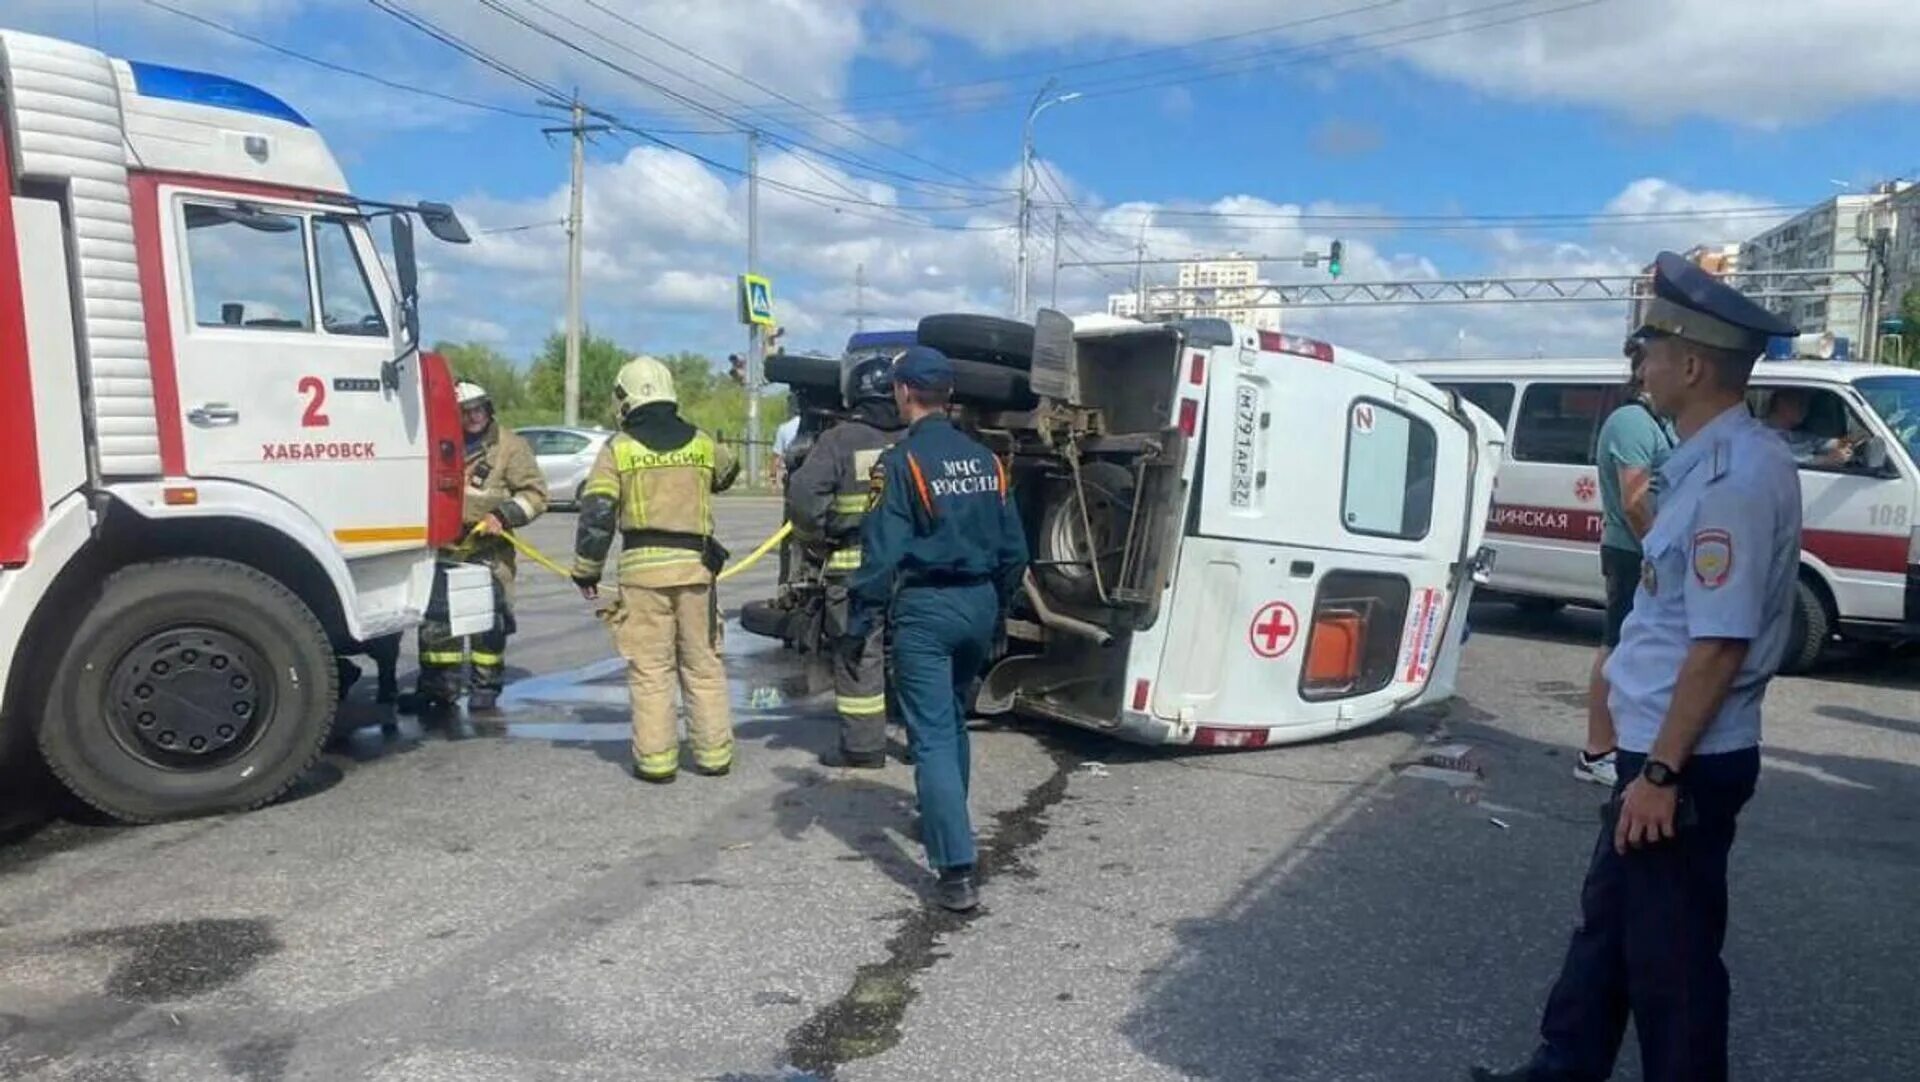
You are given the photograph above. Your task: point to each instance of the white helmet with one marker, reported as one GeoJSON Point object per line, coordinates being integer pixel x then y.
{"type": "Point", "coordinates": [471, 395]}
{"type": "Point", "coordinates": [641, 381]}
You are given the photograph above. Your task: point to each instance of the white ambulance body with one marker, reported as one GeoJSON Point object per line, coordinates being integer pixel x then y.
{"type": "Point", "coordinates": [1303, 567]}
{"type": "Point", "coordinates": [1860, 554]}
{"type": "Point", "coordinates": [222, 461]}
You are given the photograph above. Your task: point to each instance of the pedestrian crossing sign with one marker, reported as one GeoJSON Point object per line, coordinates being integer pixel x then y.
{"type": "Point", "coordinates": [756, 300]}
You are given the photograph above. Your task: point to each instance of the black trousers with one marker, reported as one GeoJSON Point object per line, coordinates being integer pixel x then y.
{"type": "Point", "coordinates": [1651, 927]}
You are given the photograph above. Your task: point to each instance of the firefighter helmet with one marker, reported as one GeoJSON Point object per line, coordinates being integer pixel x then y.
{"type": "Point", "coordinates": [471, 395]}
{"type": "Point", "coordinates": [641, 381]}
{"type": "Point", "coordinates": [871, 377]}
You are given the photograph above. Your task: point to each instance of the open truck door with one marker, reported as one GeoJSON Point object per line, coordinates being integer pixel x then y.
{"type": "Point", "coordinates": [1329, 549]}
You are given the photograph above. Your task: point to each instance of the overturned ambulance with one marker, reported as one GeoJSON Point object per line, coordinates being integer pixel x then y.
{"type": "Point", "coordinates": [1239, 538]}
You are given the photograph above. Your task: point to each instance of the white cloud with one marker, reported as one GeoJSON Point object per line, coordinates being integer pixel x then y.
{"type": "Point", "coordinates": [1750, 62]}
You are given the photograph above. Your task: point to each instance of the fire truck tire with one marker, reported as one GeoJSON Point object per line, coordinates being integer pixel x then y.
{"type": "Point", "coordinates": [1063, 550]}
{"type": "Point", "coordinates": [989, 339]}
{"type": "Point", "coordinates": [1807, 636]}
{"type": "Point", "coordinates": [192, 687]}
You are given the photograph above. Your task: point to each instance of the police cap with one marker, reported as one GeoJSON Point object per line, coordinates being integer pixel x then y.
{"type": "Point", "coordinates": [925, 368]}
{"type": "Point", "coordinates": [1689, 303]}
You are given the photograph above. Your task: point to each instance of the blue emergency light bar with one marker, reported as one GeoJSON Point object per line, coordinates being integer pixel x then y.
{"type": "Point", "coordinates": [877, 340]}
{"type": "Point", "coordinates": [218, 91]}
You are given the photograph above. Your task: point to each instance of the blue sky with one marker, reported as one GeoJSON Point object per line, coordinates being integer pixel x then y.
{"type": "Point", "coordinates": [1708, 108]}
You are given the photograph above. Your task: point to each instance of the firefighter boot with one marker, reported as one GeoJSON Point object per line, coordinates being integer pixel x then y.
{"type": "Point", "coordinates": [489, 672]}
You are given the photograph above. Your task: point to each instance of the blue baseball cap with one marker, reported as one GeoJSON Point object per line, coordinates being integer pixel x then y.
{"type": "Point", "coordinates": [925, 368]}
{"type": "Point", "coordinates": [1689, 303]}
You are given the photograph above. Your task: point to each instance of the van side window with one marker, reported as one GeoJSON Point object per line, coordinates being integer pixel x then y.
{"type": "Point", "coordinates": [1818, 427]}
{"type": "Point", "coordinates": [1559, 422]}
{"type": "Point", "coordinates": [1390, 466]}
{"type": "Point", "coordinates": [1495, 398]}
{"type": "Point", "coordinates": [248, 268]}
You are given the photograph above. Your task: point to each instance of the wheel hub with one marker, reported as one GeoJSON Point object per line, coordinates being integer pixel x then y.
{"type": "Point", "coordinates": [189, 696]}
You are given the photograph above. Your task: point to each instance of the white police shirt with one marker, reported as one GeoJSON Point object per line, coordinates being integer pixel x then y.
{"type": "Point", "coordinates": [1720, 563]}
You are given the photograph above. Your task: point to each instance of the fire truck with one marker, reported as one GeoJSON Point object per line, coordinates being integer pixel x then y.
{"type": "Point", "coordinates": [224, 461]}
{"type": "Point", "coordinates": [1240, 538]}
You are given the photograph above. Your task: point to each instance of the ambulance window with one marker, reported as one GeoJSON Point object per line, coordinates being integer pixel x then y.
{"type": "Point", "coordinates": [346, 298]}
{"type": "Point", "coordinates": [248, 267]}
{"type": "Point", "coordinates": [1559, 421]}
{"type": "Point", "coordinates": [1390, 465]}
{"type": "Point", "coordinates": [1495, 398]}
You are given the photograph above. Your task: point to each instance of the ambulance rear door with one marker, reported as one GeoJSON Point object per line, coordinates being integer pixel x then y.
{"type": "Point", "coordinates": [1335, 501]}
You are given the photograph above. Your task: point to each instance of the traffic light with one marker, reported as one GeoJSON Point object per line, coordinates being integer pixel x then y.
{"type": "Point", "coordinates": [1334, 256]}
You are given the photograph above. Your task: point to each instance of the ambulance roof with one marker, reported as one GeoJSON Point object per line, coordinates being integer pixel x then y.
{"type": "Point", "coordinates": [1547, 368]}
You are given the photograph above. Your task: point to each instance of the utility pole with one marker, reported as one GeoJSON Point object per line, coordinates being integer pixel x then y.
{"type": "Point", "coordinates": [756, 336]}
{"type": "Point", "coordinates": [578, 128]}
{"type": "Point", "coordinates": [1140, 281]}
{"type": "Point", "coordinates": [859, 297]}
{"type": "Point", "coordinates": [1040, 105]}
{"type": "Point", "coordinates": [1053, 291]}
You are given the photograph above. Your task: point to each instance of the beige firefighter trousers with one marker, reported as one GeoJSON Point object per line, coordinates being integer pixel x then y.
{"type": "Point", "coordinates": [666, 631]}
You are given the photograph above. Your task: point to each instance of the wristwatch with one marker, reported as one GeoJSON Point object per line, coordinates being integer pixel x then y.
{"type": "Point", "coordinates": [1659, 774]}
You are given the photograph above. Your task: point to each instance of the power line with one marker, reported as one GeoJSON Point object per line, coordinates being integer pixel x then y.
{"type": "Point", "coordinates": [677, 95]}
{"type": "Point", "coordinates": [521, 228]}
{"type": "Point", "coordinates": [472, 52]}
{"type": "Point", "coordinates": [833, 120]}
{"type": "Point", "coordinates": [329, 65]}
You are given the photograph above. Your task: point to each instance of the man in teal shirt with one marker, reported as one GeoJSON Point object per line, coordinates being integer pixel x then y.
{"type": "Point", "coordinates": [1632, 445]}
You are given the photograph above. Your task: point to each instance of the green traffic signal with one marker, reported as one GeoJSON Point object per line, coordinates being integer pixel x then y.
{"type": "Point", "coordinates": [1333, 258]}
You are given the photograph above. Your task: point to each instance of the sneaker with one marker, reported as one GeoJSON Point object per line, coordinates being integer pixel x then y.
{"type": "Point", "coordinates": [956, 891]}
{"type": "Point", "coordinates": [1598, 769]}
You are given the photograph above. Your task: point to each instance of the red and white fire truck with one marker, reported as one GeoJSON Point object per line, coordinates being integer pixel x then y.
{"type": "Point", "coordinates": [223, 460]}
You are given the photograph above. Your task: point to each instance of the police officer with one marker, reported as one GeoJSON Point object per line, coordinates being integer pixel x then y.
{"type": "Point", "coordinates": [827, 501]}
{"type": "Point", "coordinates": [943, 546]}
{"type": "Point", "coordinates": [1709, 626]}
{"type": "Point", "coordinates": [654, 483]}
{"type": "Point", "coordinates": [505, 491]}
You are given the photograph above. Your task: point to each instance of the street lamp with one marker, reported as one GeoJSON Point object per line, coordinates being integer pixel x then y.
{"type": "Point", "coordinates": [1041, 103]}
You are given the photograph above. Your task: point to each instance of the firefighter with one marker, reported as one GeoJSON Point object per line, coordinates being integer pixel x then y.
{"type": "Point", "coordinates": [826, 501]}
{"type": "Point", "coordinates": [505, 491]}
{"type": "Point", "coordinates": [654, 483]}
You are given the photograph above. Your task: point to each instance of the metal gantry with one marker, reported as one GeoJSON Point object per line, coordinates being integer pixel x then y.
{"type": "Point", "coordinates": [1544, 289]}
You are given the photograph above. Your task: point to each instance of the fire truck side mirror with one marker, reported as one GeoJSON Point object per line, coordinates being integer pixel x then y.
{"type": "Point", "coordinates": [406, 267]}
{"type": "Point", "coordinates": [443, 223]}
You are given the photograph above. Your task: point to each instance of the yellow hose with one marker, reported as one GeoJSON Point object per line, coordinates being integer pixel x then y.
{"type": "Point", "coordinates": [540, 558]}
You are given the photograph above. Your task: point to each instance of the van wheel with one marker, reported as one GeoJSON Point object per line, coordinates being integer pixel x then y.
{"type": "Point", "coordinates": [1811, 629]}
{"type": "Point", "coordinates": [991, 339]}
{"type": "Point", "coordinates": [192, 687]}
{"type": "Point", "coordinates": [1067, 551]}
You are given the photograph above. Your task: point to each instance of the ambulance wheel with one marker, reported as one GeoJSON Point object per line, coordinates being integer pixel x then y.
{"type": "Point", "coordinates": [1067, 552]}
{"type": "Point", "coordinates": [991, 339]}
{"type": "Point", "coordinates": [191, 687]}
{"type": "Point", "coordinates": [1808, 634]}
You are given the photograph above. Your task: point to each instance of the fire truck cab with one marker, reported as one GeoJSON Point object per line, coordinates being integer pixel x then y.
{"type": "Point", "coordinates": [223, 460]}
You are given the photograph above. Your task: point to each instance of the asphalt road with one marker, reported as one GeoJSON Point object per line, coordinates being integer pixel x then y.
{"type": "Point", "coordinates": [1386, 906]}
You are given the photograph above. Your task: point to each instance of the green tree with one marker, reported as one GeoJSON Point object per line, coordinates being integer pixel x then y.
{"type": "Point", "coordinates": [477, 363]}
{"type": "Point", "coordinates": [600, 361]}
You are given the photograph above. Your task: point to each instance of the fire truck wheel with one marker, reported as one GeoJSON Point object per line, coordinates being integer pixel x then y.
{"type": "Point", "coordinates": [192, 687]}
{"type": "Point", "coordinates": [1808, 634]}
{"type": "Point", "coordinates": [989, 339]}
{"type": "Point", "coordinates": [1066, 554]}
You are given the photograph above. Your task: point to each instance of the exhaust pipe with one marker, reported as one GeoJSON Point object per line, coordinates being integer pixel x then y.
{"type": "Point", "coordinates": [1060, 621]}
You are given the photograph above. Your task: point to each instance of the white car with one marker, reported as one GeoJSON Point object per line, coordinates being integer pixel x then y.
{"type": "Point", "coordinates": [566, 457]}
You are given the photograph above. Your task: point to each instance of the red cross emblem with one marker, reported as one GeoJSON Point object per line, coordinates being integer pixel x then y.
{"type": "Point", "coordinates": [1585, 489]}
{"type": "Point", "coordinates": [1273, 630]}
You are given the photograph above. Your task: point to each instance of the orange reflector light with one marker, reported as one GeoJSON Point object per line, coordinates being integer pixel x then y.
{"type": "Point", "coordinates": [1189, 416]}
{"type": "Point", "coordinates": [1334, 651]}
{"type": "Point", "coordinates": [180, 496]}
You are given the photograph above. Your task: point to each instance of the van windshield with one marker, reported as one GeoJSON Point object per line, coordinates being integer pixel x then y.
{"type": "Point", "coordinates": [1897, 400]}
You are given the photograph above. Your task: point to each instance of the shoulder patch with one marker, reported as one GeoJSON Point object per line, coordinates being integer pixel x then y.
{"type": "Point", "coordinates": [1712, 557]}
{"type": "Point", "coordinates": [876, 482]}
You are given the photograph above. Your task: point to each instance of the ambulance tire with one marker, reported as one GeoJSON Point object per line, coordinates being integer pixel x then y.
{"type": "Point", "coordinates": [1109, 494]}
{"type": "Point", "coordinates": [1007, 343]}
{"type": "Point", "coordinates": [181, 621]}
{"type": "Point", "coordinates": [1809, 632]}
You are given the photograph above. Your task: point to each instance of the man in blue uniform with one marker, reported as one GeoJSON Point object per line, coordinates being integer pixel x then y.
{"type": "Point", "coordinates": [941, 551]}
{"type": "Point", "coordinates": [1708, 628]}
